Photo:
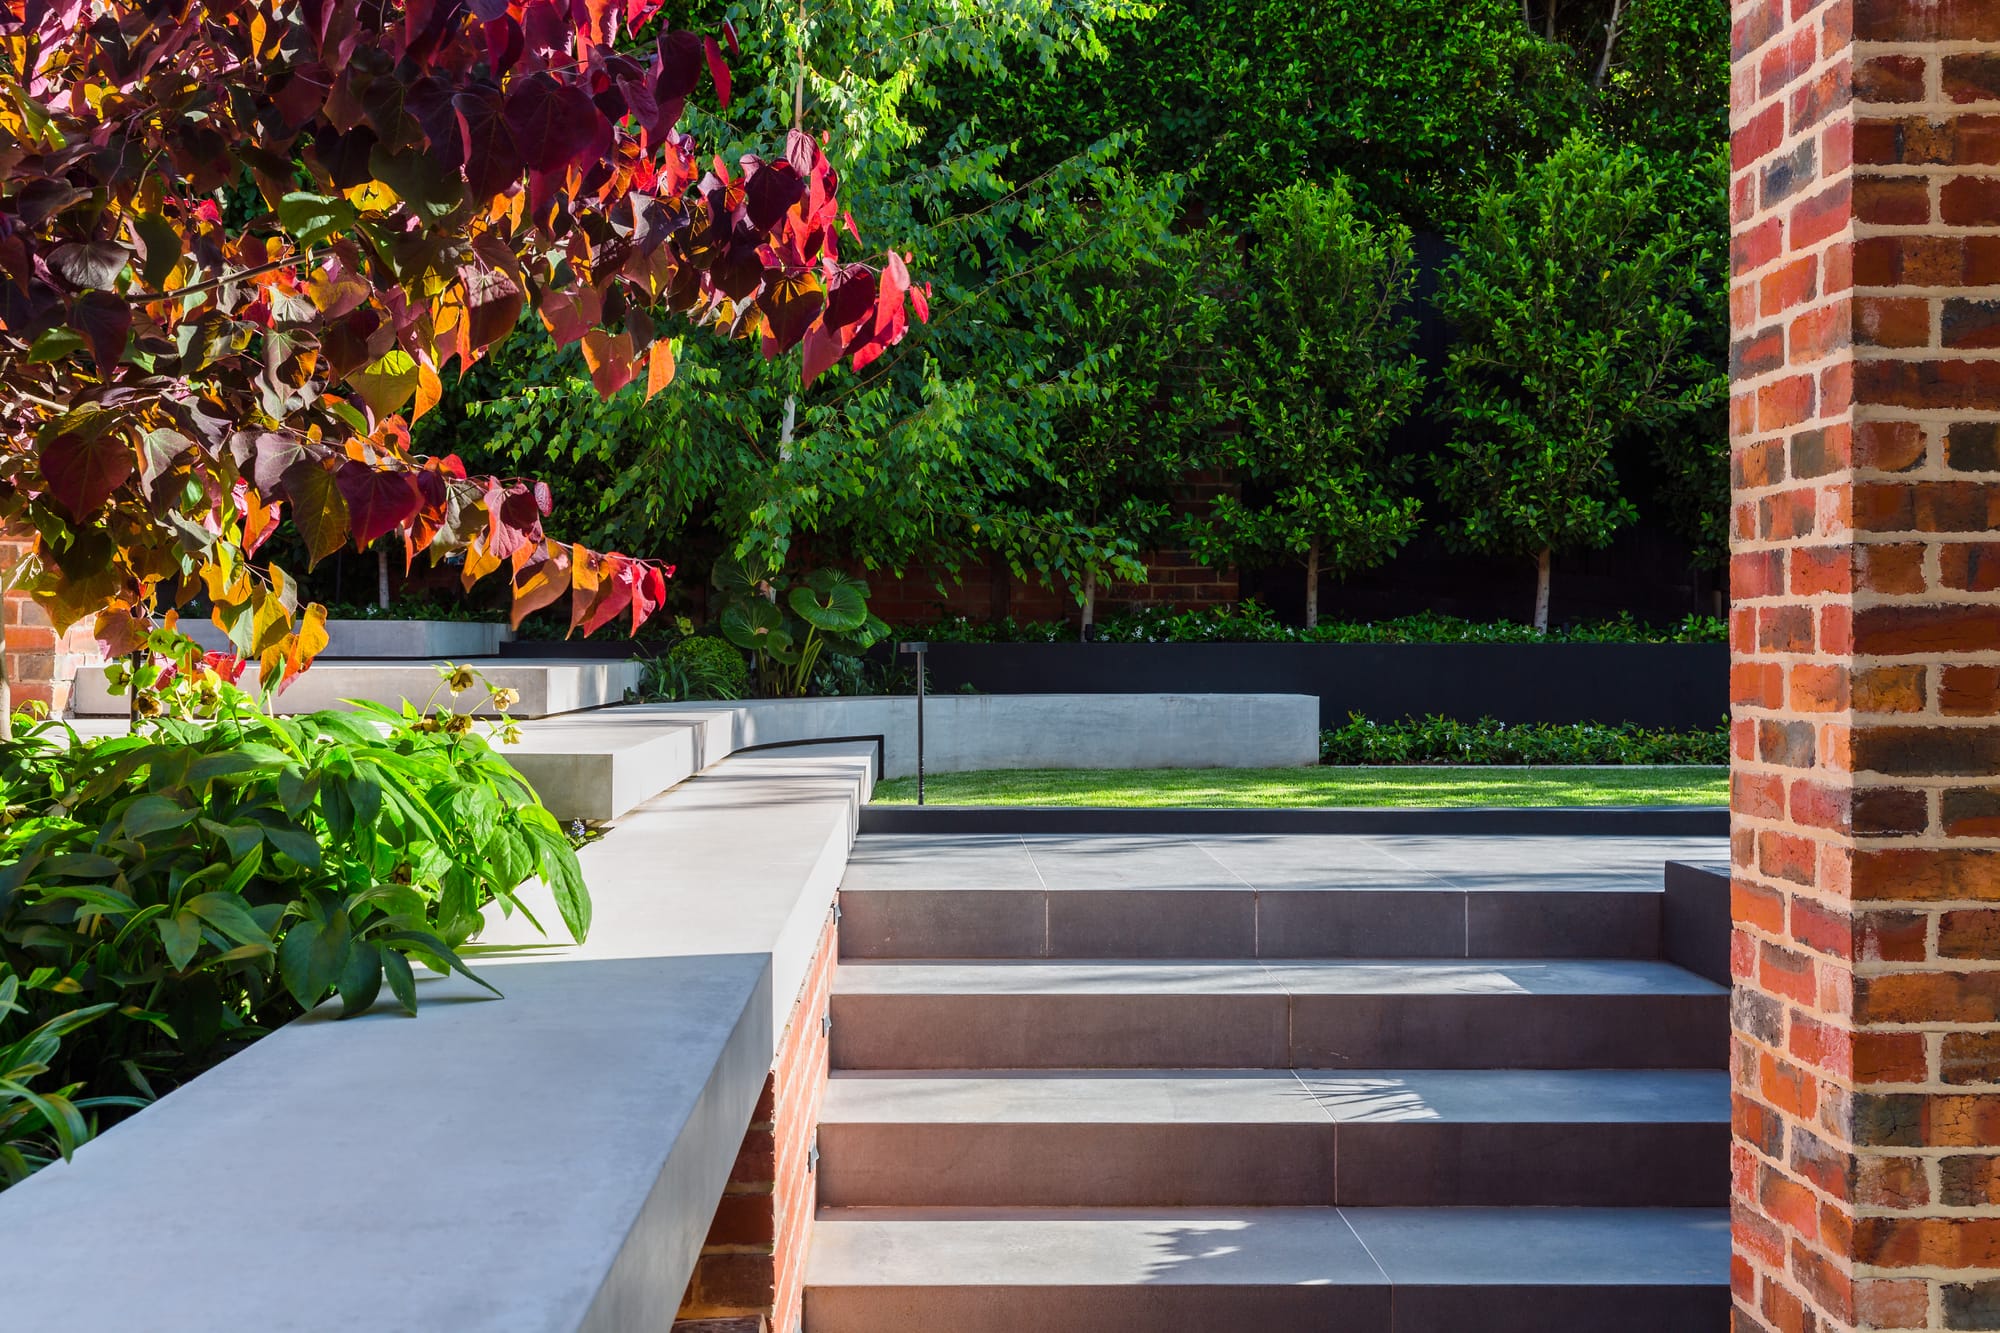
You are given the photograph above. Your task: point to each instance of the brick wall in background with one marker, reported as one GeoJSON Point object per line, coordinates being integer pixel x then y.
{"type": "Point", "coordinates": [1865, 630]}
{"type": "Point", "coordinates": [40, 663]}
{"type": "Point", "coordinates": [752, 1267]}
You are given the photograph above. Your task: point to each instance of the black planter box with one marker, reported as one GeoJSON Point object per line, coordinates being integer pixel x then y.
{"type": "Point", "coordinates": [1682, 686]}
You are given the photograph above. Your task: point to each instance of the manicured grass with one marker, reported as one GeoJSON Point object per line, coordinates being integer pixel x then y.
{"type": "Point", "coordinates": [1328, 785]}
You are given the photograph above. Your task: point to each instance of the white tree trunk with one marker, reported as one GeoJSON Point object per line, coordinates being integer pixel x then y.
{"type": "Point", "coordinates": [382, 575]}
{"type": "Point", "coordinates": [1089, 604]}
{"type": "Point", "coordinates": [1542, 591]}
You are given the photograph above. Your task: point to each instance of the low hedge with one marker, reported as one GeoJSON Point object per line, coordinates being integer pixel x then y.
{"type": "Point", "coordinates": [1251, 622]}
{"type": "Point", "coordinates": [1443, 740]}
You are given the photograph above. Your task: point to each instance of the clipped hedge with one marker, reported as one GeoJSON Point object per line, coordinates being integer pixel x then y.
{"type": "Point", "coordinates": [1251, 622]}
{"type": "Point", "coordinates": [1443, 740]}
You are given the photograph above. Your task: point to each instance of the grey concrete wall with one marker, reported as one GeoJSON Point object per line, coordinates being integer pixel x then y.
{"type": "Point", "coordinates": [432, 639]}
{"type": "Point", "coordinates": [543, 1163]}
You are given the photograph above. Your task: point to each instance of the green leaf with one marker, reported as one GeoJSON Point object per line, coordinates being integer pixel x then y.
{"type": "Point", "coordinates": [311, 957]}
{"type": "Point", "coordinates": [360, 978]}
{"type": "Point", "coordinates": [230, 915]}
{"type": "Point", "coordinates": [558, 868]}
{"type": "Point", "coordinates": [153, 814]}
{"type": "Point", "coordinates": [162, 240]}
{"type": "Point", "coordinates": [428, 943]}
{"type": "Point", "coordinates": [181, 934]}
{"type": "Point", "coordinates": [402, 984]}
{"type": "Point", "coordinates": [301, 846]}
{"type": "Point", "coordinates": [311, 218]}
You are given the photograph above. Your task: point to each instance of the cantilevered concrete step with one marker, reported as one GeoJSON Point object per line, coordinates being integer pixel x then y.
{"type": "Point", "coordinates": [1402, 1013]}
{"type": "Point", "coordinates": [1355, 1270]}
{"type": "Point", "coordinates": [545, 687]}
{"type": "Point", "coordinates": [1253, 1137]}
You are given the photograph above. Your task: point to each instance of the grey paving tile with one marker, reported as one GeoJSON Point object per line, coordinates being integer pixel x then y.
{"type": "Point", "coordinates": [1567, 923]}
{"type": "Point", "coordinates": [1159, 864]}
{"type": "Point", "coordinates": [939, 861]}
{"type": "Point", "coordinates": [1365, 923]}
{"type": "Point", "coordinates": [1506, 1247]}
{"type": "Point", "coordinates": [1329, 861]}
{"type": "Point", "coordinates": [1504, 1096]}
{"type": "Point", "coordinates": [943, 923]}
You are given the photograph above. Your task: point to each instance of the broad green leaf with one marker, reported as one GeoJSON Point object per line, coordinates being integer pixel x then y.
{"type": "Point", "coordinates": [402, 984]}
{"type": "Point", "coordinates": [153, 814]}
{"type": "Point", "coordinates": [301, 846]}
{"type": "Point", "coordinates": [360, 978]}
{"type": "Point", "coordinates": [181, 934]}
{"type": "Point", "coordinates": [312, 218]}
{"type": "Point", "coordinates": [230, 915]}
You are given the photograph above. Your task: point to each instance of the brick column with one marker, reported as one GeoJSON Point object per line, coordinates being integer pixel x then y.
{"type": "Point", "coordinates": [751, 1274]}
{"type": "Point", "coordinates": [40, 663]}
{"type": "Point", "coordinates": [1865, 424]}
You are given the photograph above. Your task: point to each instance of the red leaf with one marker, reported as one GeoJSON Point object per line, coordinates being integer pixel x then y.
{"type": "Point", "coordinates": [790, 304]}
{"type": "Point", "coordinates": [614, 592]}
{"type": "Point", "coordinates": [553, 123]}
{"type": "Point", "coordinates": [541, 583]}
{"type": "Point", "coordinates": [717, 70]}
{"type": "Point", "coordinates": [610, 360]}
{"type": "Point", "coordinates": [769, 191]}
{"type": "Point", "coordinates": [106, 321]}
{"type": "Point", "coordinates": [377, 502]}
{"type": "Point", "coordinates": [493, 303]}
{"type": "Point", "coordinates": [82, 470]}
{"type": "Point", "coordinates": [822, 348]}
{"type": "Point", "coordinates": [680, 68]}
{"type": "Point", "coordinates": [850, 296]}
{"type": "Point", "coordinates": [729, 35]}
{"type": "Point", "coordinates": [649, 590]}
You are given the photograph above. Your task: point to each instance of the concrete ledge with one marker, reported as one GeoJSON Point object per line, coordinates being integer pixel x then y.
{"type": "Point", "coordinates": [1695, 919]}
{"type": "Point", "coordinates": [546, 1163]}
{"type": "Point", "coordinates": [1556, 821]}
{"type": "Point", "coordinates": [597, 765]}
{"type": "Point", "coordinates": [428, 639]}
{"type": "Point", "coordinates": [545, 687]}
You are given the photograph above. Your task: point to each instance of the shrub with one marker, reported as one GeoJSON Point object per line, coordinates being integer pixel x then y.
{"type": "Point", "coordinates": [1443, 740]}
{"type": "Point", "coordinates": [195, 884]}
{"type": "Point", "coordinates": [1250, 622]}
{"type": "Point", "coordinates": [704, 666]}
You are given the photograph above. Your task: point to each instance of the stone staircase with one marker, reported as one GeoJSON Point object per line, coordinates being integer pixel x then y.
{"type": "Point", "coordinates": [1344, 1083]}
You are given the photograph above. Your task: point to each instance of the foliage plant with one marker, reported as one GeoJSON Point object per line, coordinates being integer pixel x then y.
{"type": "Point", "coordinates": [700, 666]}
{"type": "Point", "coordinates": [1252, 622]}
{"type": "Point", "coordinates": [1443, 740]}
{"type": "Point", "coordinates": [40, 1124]}
{"type": "Point", "coordinates": [1569, 301]}
{"type": "Point", "coordinates": [196, 883]}
{"type": "Point", "coordinates": [240, 242]}
{"type": "Point", "coordinates": [786, 626]}
{"type": "Point", "coordinates": [1323, 372]}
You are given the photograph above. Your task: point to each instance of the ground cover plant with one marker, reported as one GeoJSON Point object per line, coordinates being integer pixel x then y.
{"type": "Point", "coordinates": [1225, 788]}
{"type": "Point", "coordinates": [169, 895]}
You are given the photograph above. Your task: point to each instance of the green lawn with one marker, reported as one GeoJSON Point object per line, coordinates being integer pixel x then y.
{"type": "Point", "coordinates": [1241, 787]}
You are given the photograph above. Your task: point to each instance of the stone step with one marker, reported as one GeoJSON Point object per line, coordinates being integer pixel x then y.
{"type": "Point", "coordinates": [1357, 1270]}
{"type": "Point", "coordinates": [1305, 1014]}
{"type": "Point", "coordinates": [1414, 920]}
{"type": "Point", "coordinates": [545, 687]}
{"type": "Point", "coordinates": [1363, 1137]}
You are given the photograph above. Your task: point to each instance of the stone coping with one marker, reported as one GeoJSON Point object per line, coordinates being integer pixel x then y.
{"type": "Point", "coordinates": [543, 1163]}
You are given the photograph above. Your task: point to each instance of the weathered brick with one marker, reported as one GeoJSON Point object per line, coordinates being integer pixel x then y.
{"type": "Point", "coordinates": [1969, 323]}
{"type": "Point", "coordinates": [1897, 630]}
{"type": "Point", "coordinates": [1923, 874]}
{"type": "Point", "coordinates": [1972, 1305]}
{"type": "Point", "coordinates": [1890, 79]}
{"type": "Point", "coordinates": [1889, 811]}
{"type": "Point", "coordinates": [1889, 689]}
{"type": "Point", "coordinates": [1970, 566]}
{"type": "Point", "coordinates": [1971, 1058]}
{"type": "Point", "coordinates": [1969, 691]}
{"type": "Point", "coordinates": [1973, 446]}
{"type": "Point", "coordinates": [1928, 997]}
{"type": "Point", "coordinates": [1883, 321]}
{"type": "Point", "coordinates": [1888, 446]}
{"type": "Point", "coordinates": [1971, 76]}
{"type": "Point", "coordinates": [1892, 201]}
{"type": "Point", "coordinates": [1964, 751]}
{"type": "Point", "coordinates": [1969, 201]}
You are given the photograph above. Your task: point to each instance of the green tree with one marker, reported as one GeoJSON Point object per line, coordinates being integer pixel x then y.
{"type": "Point", "coordinates": [1142, 331]}
{"type": "Point", "coordinates": [1570, 299]}
{"type": "Point", "coordinates": [1323, 373]}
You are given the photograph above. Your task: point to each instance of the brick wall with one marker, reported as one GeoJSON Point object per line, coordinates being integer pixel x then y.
{"type": "Point", "coordinates": [1865, 630]}
{"type": "Point", "coordinates": [40, 664]}
{"type": "Point", "coordinates": [752, 1267]}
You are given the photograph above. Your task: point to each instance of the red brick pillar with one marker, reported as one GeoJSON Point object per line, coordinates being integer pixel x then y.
{"type": "Point", "coordinates": [40, 663]}
{"type": "Point", "coordinates": [1865, 425]}
{"type": "Point", "coordinates": [751, 1274]}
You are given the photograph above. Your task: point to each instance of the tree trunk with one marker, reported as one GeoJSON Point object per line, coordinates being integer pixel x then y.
{"type": "Point", "coordinates": [1610, 43]}
{"type": "Point", "coordinates": [381, 576]}
{"type": "Point", "coordinates": [1542, 591]}
{"type": "Point", "coordinates": [1550, 33]}
{"type": "Point", "coordinates": [1312, 584]}
{"type": "Point", "coordinates": [1089, 605]}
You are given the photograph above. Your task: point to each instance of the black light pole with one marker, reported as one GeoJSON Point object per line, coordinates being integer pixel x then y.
{"type": "Point", "coordinates": [917, 650]}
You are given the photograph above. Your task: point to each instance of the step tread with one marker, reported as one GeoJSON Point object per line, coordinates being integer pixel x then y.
{"type": "Point", "coordinates": [1413, 976]}
{"type": "Point", "coordinates": [1426, 1096]}
{"type": "Point", "coordinates": [1042, 1247]}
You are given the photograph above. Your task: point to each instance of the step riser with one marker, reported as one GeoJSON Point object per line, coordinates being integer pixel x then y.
{"type": "Point", "coordinates": [1267, 1031]}
{"type": "Point", "coordinates": [1152, 1309]}
{"type": "Point", "coordinates": [1617, 1164]}
{"type": "Point", "coordinates": [1386, 923]}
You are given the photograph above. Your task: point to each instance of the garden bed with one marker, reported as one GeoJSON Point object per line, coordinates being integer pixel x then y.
{"type": "Point", "coordinates": [1677, 686]}
{"type": "Point", "coordinates": [1237, 789]}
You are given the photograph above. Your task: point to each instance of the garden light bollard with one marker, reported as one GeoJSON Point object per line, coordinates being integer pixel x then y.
{"type": "Point", "coordinates": [917, 650]}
